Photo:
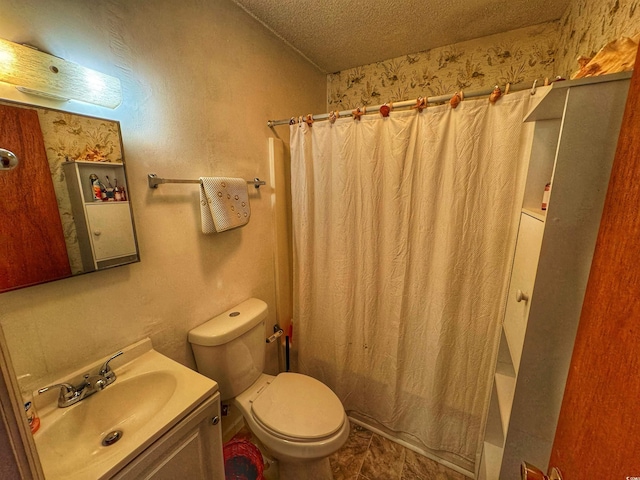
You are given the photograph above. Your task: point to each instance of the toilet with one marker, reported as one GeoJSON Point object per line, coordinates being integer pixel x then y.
{"type": "Point", "coordinates": [296, 417]}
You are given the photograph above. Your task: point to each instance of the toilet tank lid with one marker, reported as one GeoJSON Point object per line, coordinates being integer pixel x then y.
{"type": "Point", "coordinates": [230, 324]}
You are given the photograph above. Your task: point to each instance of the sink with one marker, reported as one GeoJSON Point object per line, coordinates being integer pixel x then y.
{"type": "Point", "coordinates": [150, 395]}
{"type": "Point", "coordinates": [126, 406]}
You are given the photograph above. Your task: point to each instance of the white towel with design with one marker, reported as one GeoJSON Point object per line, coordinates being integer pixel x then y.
{"type": "Point", "coordinates": [224, 203]}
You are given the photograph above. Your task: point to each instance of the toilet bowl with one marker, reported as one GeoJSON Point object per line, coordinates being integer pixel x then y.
{"type": "Point", "coordinates": [296, 417]}
{"type": "Point", "coordinates": [309, 422]}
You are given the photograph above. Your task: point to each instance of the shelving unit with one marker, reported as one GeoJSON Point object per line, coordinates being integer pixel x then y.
{"type": "Point", "coordinates": [105, 229]}
{"type": "Point", "coordinates": [575, 137]}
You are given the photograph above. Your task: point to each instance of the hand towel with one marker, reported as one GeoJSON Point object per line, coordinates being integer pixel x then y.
{"type": "Point", "coordinates": [224, 203]}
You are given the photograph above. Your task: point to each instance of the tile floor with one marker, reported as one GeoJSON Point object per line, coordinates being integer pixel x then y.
{"type": "Point", "coordinates": [369, 456]}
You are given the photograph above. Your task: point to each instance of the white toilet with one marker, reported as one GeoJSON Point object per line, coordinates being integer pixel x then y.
{"type": "Point", "coordinates": [296, 417]}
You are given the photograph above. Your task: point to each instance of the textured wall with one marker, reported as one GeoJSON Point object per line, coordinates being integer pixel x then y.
{"type": "Point", "coordinates": [200, 79]}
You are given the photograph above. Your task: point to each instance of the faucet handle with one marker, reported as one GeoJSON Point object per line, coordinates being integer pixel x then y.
{"type": "Point", "coordinates": [67, 391]}
{"type": "Point", "coordinates": [105, 370]}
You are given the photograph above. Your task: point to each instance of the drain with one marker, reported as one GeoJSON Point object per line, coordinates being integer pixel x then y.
{"type": "Point", "coordinates": [111, 438]}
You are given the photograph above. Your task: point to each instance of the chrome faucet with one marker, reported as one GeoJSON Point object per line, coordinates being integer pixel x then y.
{"type": "Point", "coordinates": [70, 395]}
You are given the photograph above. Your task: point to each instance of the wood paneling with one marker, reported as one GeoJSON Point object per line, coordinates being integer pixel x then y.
{"type": "Point", "coordinates": [598, 435]}
{"type": "Point", "coordinates": [32, 246]}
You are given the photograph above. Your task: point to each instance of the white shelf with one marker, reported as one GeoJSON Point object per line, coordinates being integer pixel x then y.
{"type": "Point", "coordinates": [573, 146]}
{"type": "Point", "coordinates": [537, 214]}
{"type": "Point", "coordinates": [552, 102]}
{"type": "Point", "coordinates": [505, 387]}
{"type": "Point", "coordinates": [492, 461]}
{"type": "Point", "coordinates": [514, 349]}
{"type": "Point", "coordinates": [504, 363]}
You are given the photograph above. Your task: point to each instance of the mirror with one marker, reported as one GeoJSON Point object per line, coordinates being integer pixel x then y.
{"type": "Point", "coordinates": [64, 204]}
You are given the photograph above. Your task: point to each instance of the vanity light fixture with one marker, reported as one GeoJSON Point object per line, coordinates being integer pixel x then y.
{"type": "Point", "coordinates": [39, 73]}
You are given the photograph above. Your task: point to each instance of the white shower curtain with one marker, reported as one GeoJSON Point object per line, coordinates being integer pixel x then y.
{"type": "Point", "coordinates": [404, 229]}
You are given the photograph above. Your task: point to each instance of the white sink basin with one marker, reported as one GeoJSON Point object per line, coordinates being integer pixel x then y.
{"type": "Point", "coordinates": [151, 394]}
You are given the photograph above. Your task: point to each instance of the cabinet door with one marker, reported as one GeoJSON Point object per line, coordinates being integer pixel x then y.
{"type": "Point", "coordinates": [111, 230]}
{"type": "Point", "coordinates": [523, 275]}
{"type": "Point", "coordinates": [190, 450]}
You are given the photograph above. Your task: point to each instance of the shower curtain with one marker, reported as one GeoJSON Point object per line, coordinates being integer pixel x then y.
{"type": "Point", "coordinates": [404, 229]}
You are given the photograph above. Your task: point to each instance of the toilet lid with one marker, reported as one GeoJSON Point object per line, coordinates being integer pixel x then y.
{"type": "Point", "coordinates": [299, 406]}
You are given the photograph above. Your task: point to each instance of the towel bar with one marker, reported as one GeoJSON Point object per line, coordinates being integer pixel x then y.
{"type": "Point", "coordinates": [154, 181]}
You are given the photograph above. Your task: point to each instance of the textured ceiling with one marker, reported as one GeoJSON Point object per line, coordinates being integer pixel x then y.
{"type": "Point", "coordinates": [340, 34]}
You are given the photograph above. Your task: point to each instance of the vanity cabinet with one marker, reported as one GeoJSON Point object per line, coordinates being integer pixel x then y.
{"type": "Point", "coordinates": [190, 450]}
{"type": "Point", "coordinates": [574, 142]}
{"type": "Point", "coordinates": [104, 228]}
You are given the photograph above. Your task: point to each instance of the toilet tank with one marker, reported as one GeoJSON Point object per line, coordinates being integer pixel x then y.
{"type": "Point", "coordinates": [230, 347]}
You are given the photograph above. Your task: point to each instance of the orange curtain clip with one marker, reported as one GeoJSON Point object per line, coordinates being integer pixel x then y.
{"type": "Point", "coordinates": [385, 110]}
{"type": "Point", "coordinates": [357, 113]}
{"type": "Point", "coordinates": [421, 103]}
{"type": "Point", "coordinates": [495, 95]}
{"type": "Point", "coordinates": [456, 99]}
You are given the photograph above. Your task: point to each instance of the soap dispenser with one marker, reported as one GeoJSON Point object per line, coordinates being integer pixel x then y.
{"type": "Point", "coordinates": [27, 398]}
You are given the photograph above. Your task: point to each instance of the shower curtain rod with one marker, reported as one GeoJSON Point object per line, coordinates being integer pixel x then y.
{"type": "Point", "coordinates": [407, 103]}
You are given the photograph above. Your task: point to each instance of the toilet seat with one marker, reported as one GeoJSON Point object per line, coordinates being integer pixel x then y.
{"type": "Point", "coordinates": [298, 407]}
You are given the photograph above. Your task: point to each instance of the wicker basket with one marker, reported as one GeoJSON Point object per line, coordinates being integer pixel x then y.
{"type": "Point", "coordinates": [242, 461]}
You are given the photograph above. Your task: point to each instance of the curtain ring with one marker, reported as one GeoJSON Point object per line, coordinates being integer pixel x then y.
{"type": "Point", "coordinates": [385, 110]}
{"type": "Point", "coordinates": [333, 116]}
{"type": "Point", "coordinates": [507, 87]}
{"type": "Point", "coordinates": [533, 88]}
{"type": "Point", "coordinates": [292, 121]}
{"type": "Point", "coordinates": [309, 120]}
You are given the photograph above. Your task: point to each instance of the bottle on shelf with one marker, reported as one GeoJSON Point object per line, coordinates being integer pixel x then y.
{"type": "Point", "coordinates": [103, 192]}
{"type": "Point", "coordinates": [95, 187]}
{"type": "Point", "coordinates": [117, 191]}
{"type": "Point", "coordinates": [545, 196]}
{"type": "Point", "coordinates": [109, 190]}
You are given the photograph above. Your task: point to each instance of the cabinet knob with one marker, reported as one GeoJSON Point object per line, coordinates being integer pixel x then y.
{"type": "Point", "coordinates": [97, 233]}
{"type": "Point", "coordinates": [521, 296]}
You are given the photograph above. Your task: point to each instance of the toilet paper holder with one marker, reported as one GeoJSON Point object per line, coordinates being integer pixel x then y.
{"type": "Point", "coordinates": [277, 333]}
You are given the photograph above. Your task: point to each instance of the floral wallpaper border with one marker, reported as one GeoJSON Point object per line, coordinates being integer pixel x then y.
{"type": "Point", "coordinates": [513, 57]}
{"type": "Point", "coordinates": [517, 57]}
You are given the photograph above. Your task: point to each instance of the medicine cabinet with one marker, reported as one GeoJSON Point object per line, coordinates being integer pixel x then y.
{"type": "Point", "coordinates": [51, 227]}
